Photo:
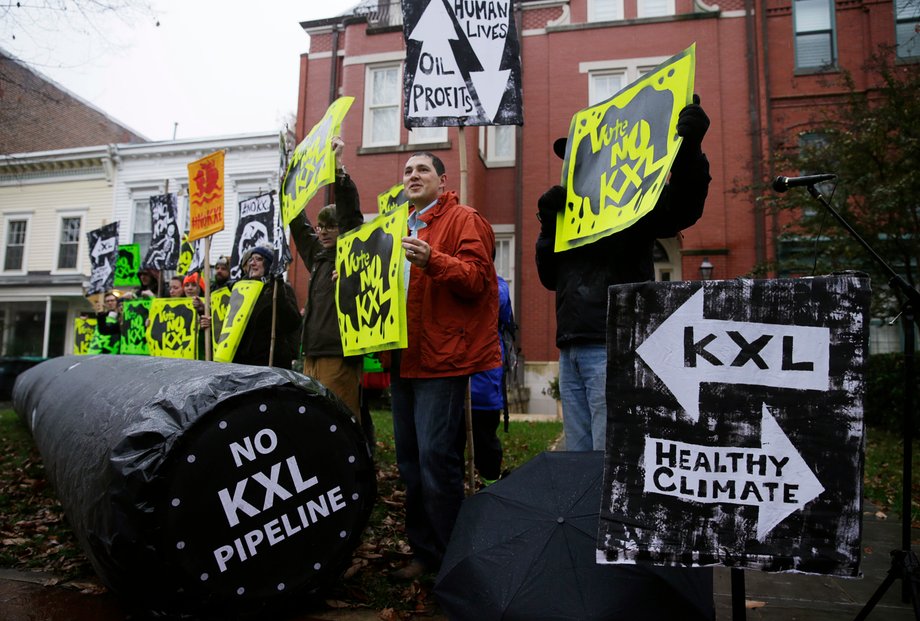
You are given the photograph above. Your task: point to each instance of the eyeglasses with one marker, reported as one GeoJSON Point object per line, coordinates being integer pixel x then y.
{"type": "Point", "coordinates": [327, 227]}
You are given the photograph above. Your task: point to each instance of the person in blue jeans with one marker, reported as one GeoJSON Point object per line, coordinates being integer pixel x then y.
{"type": "Point", "coordinates": [581, 276]}
{"type": "Point", "coordinates": [487, 399]}
{"type": "Point", "coordinates": [452, 311]}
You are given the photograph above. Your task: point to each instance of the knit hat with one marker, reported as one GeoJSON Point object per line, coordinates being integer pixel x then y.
{"type": "Point", "coordinates": [222, 260]}
{"type": "Point", "coordinates": [194, 277]}
{"type": "Point", "coordinates": [263, 250]}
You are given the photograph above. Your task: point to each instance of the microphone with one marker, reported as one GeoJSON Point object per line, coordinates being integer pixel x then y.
{"type": "Point", "coordinates": [781, 184]}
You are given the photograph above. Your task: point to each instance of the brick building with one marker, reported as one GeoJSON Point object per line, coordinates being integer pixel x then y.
{"type": "Point", "coordinates": [762, 68]}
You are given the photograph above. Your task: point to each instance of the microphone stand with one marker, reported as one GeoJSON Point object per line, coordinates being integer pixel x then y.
{"type": "Point", "coordinates": [904, 564]}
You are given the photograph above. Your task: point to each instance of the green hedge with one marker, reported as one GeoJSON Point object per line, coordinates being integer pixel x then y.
{"type": "Point", "coordinates": [885, 392]}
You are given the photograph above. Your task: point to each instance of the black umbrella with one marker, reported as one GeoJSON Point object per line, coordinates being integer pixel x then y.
{"type": "Point", "coordinates": [524, 548]}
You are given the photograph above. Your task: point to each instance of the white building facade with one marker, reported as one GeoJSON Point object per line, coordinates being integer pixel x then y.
{"type": "Point", "coordinates": [49, 200]}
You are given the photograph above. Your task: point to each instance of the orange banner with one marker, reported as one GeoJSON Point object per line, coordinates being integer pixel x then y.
{"type": "Point", "coordinates": [206, 196]}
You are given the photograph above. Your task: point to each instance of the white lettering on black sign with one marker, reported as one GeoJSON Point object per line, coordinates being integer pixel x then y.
{"type": "Point", "coordinates": [258, 492]}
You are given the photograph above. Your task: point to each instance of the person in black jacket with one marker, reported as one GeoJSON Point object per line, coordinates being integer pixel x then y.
{"type": "Point", "coordinates": [580, 277]}
{"type": "Point", "coordinates": [321, 344]}
{"type": "Point", "coordinates": [256, 343]}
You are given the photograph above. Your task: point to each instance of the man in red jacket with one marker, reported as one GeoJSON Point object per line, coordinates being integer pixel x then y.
{"type": "Point", "coordinates": [452, 312]}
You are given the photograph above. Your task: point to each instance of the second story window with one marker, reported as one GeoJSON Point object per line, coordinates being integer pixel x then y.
{"type": "Point", "coordinates": [15, 245]}
{"type": "Point", "coordinates": [602, 85]}
{"type": "Point", "coordinates": [141, 232]}
{"type": "Point", "coordinates": [907, 27]}
{"type": "Point", "coordinates": [383, 92]}
{"type": "Point", "coordinates": [68, 251]}
{"type": "Point", "coordinates": [427, 135]}
{"type": "Point", "coordinates": [497, 144]}
{"type": "Point", "coordinates": [814, 34]}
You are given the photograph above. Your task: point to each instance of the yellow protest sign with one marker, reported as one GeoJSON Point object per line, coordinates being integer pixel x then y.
{"type": "Point", "coordinates": [242, 299]}
{"type": "Point", "coordinates": [391, 199]}
{"type": "Point", "coordinates": [312, 164]}
{"type": "Point", "coordinates": [83, 330]}
{"type": "Point", "coordinates": [172, 331]}
{"type": "Point", "coordinates": [220, 307]}
{"type": "Point", "coordinates": [206, 196]}
{"type": "Point", "coordinates": [619, 153]}
{"type": "Point", "coordinates": [370, 291]}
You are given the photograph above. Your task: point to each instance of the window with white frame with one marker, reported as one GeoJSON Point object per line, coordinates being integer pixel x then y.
{"type": "Point", "coordinates": [497, 145]}
{"type": "Point", "coordinates": [605, 10]}
{"type": "Point", "coordinates": [654, 8]}
{"type": "Point", "coordinates": [383, 95]}
{"type": "Point", "coordinates": [427, 135]}
{"type": "Point", "coordinates": [69, 242]}
{"type": "Point", "coordinates": [14, 254]}
{"type": "Point", "coordinates": [604, 84]}
{"type": "Point", "coordinates": [504, 255]}
{"type": "Point", "coordinates": [140, 229]}
{"type": "Point", "coordinates": [607, 77]}
{"type": "Point", "coordinates": [907, 27]}
{"type": "Point", "coordinates": [814, 34]}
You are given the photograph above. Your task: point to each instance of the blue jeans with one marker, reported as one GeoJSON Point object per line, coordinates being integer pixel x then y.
{"type": "Point", "coordinates": [429, 430]}
{"type": "Point", "coordinates": [583, 390]}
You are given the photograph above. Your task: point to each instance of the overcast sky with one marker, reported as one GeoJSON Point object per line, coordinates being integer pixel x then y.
{"type": "Point", "coordinates": [215, 67]}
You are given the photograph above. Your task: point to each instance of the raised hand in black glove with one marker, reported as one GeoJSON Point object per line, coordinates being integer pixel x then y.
{"type": "Point", "coordinates": [551, 203]}
{"type": "Point", "coordinates": [692, 124]}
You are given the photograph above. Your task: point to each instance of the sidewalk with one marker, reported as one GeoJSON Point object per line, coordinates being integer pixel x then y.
{"type": "Point", "coordinates": [28, 596]}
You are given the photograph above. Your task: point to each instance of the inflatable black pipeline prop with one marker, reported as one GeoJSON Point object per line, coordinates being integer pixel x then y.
{"type": "Point", "coordinates": [200, 487]}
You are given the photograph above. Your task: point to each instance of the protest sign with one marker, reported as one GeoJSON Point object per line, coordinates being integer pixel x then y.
{"type": "Point", "coordinates": [220, 307]}
{"type": "Point", "coordinates": [391, 199]}
{"type": "Point", "coordinates": [206, 196]}
{"type": "Point", "coordinates": [127, 264]}
{"type": "Point", "coordinates": [255, 226]}
{"type": "Point", "coordinates": [463, 64]}
{"type": "Point", "coordinates": [191, 257]}
{"type": "Point", "coordinates": [103, 254]}
{"type": "Point", "coordinates": [83, 330]}
{"type": "Point", "coordinates": [173, 328]}
{"type": "Point", "coordinates": [243, 298]}
{"type": "Point", "coordinates": [134, 327]}
{"type": "Point", "coordinates": [736, 436]}
{"type": "Point", "coordinates": [370, 291]}
{"type": "Point", "coordinates": [312, 165]}
{"type": "Point", "coordinates": [619, 153]}
{"type": "Point", "coordinates": [104, 343]}
{"type": "Point", "coordinates": [163, 253]}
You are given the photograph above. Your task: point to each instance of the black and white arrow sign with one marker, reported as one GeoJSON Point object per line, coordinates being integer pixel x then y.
{"type": "Point", "coordinates": [462, 63]}
{"type": "Point", "coordinates": [773, 478]}
{"type": "Point", "coordinates": [688, 349]}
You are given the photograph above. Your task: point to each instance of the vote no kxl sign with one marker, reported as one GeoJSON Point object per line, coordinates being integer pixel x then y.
{"type": "Point", "coordinates": [735, 424]}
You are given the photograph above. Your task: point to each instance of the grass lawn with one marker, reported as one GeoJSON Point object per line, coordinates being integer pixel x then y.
{"type": "Point", "coordinates": [35, 536]}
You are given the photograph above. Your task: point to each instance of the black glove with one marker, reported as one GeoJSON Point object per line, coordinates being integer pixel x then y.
{"type": "Point", "coordinates": [692, 124]}
{"type": "Point", "coordinates": [551, 203]}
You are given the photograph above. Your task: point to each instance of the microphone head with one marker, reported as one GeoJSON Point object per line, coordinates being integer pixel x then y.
{"type": "Point", "coordinates": [779, 184]}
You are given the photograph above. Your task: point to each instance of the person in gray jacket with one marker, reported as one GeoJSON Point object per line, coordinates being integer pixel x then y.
{"type": "Point", "coordinates": [321, 345]}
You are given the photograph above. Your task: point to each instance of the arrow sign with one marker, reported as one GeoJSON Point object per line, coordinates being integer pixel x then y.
{"type": "Point", "coordinates": [774, 477]}
{"type": "Point", "coordinates": [463, 64]}
{"type": "Point", "coordinates": [688, 349]}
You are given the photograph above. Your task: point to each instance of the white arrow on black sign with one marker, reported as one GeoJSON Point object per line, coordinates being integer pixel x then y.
{"type": "Point", "coordinates": [688, 349]}
{"type": "Point", "coordinates": [774, 477]}
{"type": "Point", "coordinates": [486, 28]}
